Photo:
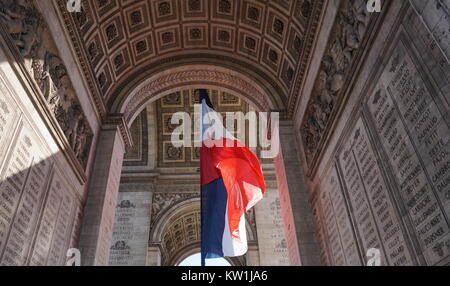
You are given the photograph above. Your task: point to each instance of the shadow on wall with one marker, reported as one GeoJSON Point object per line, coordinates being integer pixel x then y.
{"type": "Point", "coordinates": [40, 213]}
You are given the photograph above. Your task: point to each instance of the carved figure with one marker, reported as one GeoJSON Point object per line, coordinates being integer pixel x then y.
{"type": "Point", "coordinates": [21, 23]}
{"type": "Point", "coordinates": [349, 30]}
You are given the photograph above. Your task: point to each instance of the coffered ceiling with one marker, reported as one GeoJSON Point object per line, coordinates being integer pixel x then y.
{"type": "Point", "coordinates": [169, 156]}
{"type": "Point", "coordinates": [181, 232]}
{"type": "Point", "coordinates": [119, 39]}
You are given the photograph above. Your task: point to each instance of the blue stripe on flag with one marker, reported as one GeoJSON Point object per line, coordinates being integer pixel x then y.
{"type": "Point", "coordinates": [214, 204]}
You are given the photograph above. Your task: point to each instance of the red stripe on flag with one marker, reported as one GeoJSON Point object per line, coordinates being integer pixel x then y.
{"type": "Point", "coordinates": [241, 173]}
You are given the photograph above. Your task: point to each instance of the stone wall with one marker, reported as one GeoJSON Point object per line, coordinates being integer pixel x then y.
{"type": "Point", "coordinates": [141, 210]}
{"type": "Point", "coordinates": [45, 138]}
{"type": "Point", "coordinates": [270, 229]}
{"type": "Point", "coordinates": [41, 195]}
{"type": "Point", "coordinates": [382, 179]}
{"type": "Point", "coordinates": [131, 226]}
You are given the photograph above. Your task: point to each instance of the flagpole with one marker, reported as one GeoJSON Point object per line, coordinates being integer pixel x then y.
{"type": "Point", "coordinates": [202, 258]}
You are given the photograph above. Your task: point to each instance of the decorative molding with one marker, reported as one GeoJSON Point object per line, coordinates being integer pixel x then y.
{"type": "Point", "coordinates": [182, 186]}
{"type": "Point", "coordinates": [29, 39]}
{"type": "Point", "coordinates": [139, 131]}
{"type": "Point", "coordinates": [72, 25]}
{"type": "Point", "coordinates": [164, 201]}
{"type": "Point", "coordinates": [160, 84]}
{"type": "Point", "coordinates": [350, 34]}
{"type": "Point", "coordinates": [313, 12]}
{"type": "Point", "coordinates": [117, 120]}
{"type": "Point", "coordinates": [126, 204]}
{"type": "Point", "coordinates": [120, 245]}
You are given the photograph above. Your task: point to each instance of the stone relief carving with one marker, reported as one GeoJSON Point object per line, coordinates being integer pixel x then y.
{"type": "Point", "coordinates": [120, 245]}
{"type": "Point", "coordinates": [281, 244]}
{"type": "Point", "coordinates": [173, 99]}
{"type": "Point", "coordinates": [348, 33]}
{"type": "Point", "coordinates": [21, 24]}
{"type": "Point", "coordinates": [173, 153]}
{"type": "Point", "coordinates": [163, 201]}
{"type": "Point", "coordinates": [35, 44]}
{"type": "Point", "coordinates": [126, 204]}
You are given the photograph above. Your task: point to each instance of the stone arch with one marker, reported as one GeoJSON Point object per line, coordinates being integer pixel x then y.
{"type": "Point", "coordinates": [169, 216]}
{"type": "Point", "coordinates": [151, 90]}
{"type": "Point", "coordinates": [149, 87]}
{"type": "Point", "coordinates": [195, 248]}
{"type": "Point", "coordinates": [132, 99]}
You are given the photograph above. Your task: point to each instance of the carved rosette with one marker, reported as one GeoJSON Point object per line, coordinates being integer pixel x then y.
{"type": "Point", "coordinates": [347, 36]}
{"type": "Point", "coordinates": [30, 35]}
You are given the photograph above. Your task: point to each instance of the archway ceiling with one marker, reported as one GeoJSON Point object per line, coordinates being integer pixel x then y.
{"type": "Point", "coordinates": [184, 230]}
{"type": "Point", "coordinates": [181, 232]}
{"type": "Point", "coordinates": [118, 39]}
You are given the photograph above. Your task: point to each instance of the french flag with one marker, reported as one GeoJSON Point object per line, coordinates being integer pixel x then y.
{"type": "Point", "coordinates": [231, 184]}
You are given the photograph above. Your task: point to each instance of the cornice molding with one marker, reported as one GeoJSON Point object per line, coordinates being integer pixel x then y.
{"type": "Point", "coordinates": [341, 96]}
{"type": "Point", "coordinates": [85, 64]}
{"type": "Point", "coordinates": [162, 84]}
{"type": "Point", "coordinates": [118, 121]}
{"type": "Point", "coordinates": [305, 60]}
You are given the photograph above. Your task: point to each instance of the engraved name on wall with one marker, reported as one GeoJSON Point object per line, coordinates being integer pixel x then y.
{"type": "Point", "coordinates": [9, 117]}
{"type": "Point", "coordinates": [29, 232]}
{"type": "Point", "coordinates": [343, 246]}
{"type": "Point", "coordinates": [55, 228]}
{"type": "Point", "coordinates": [131, 229]}
{"type": "Point", "coordinates": [270, 226]}
{"type": "Point", "coordinates": [374, 210]}
{"type": "Point", "coordinates": [321, 233]}
{"type": "Point", "coordinates": [23, 182]}
{"type": "Point", "coordinates": [416, 141]}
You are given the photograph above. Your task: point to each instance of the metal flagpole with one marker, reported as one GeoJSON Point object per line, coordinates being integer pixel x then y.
{"type": "Point", "coordinates": [202, 257]}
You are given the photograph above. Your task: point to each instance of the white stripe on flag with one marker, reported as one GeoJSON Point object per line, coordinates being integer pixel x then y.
{"type": "Point", "coordinates": [232, 247]}
{"type": "Point", "coordinates": [211, 125]}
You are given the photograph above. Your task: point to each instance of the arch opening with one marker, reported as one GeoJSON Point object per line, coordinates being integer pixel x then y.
{"type": "Point", "coordinates": [174, 227]}
{"type": "Point", "coordinates": [194, 260]}
{"type": "Point", "coordinates": [177, 234]}
{"type": "Point", "coordinates": [148, 89]}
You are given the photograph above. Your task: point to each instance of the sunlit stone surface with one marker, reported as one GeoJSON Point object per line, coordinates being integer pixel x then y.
{"type": "Point", "coordinates": [86, 158]}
